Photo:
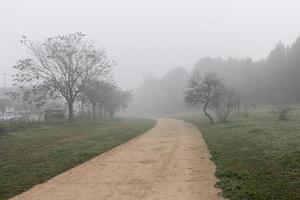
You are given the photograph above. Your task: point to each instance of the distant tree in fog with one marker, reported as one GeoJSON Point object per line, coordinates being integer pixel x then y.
{"type": "Point", "coordinates": [95, 93]}
{"type": "Point", "coordinates": [108, 96]}
{"type": "Point", "coordinates": [203, 89]}
{"type": "Point", "coordinates": [116, 100]}
{"type": "Point", "coordinates": [62, 66]}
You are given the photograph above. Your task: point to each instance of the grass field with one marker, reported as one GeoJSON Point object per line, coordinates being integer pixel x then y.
{"type": "Point", "coordinates": [257, 158]}
{"type": "Point", "coordinates": [34, 155]}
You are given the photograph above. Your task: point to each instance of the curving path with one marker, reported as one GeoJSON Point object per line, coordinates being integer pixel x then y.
{"type": "Point", "coordinates": [169, 162]}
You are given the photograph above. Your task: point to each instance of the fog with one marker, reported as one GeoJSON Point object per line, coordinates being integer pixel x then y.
{"type": "Point", "coordinates": [186, 99]}
{"type": "Point", "coordinates": [152, 36]}
{"type": "Point", "coordinates": [157, 45]}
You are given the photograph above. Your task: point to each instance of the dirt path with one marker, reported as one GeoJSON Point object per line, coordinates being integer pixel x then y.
{"type": "Point", "coordinates": [169, 162]}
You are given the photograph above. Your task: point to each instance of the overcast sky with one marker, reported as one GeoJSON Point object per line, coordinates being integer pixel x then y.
{"type": "Point", "coordinates": [152, 35]}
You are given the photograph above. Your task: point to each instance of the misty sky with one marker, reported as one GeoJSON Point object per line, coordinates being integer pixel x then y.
{"type": "Point", "coordinates": [153, 35]}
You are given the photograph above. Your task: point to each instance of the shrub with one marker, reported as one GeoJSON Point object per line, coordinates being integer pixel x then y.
{"type": "Point", "coordinates": [282, 111]}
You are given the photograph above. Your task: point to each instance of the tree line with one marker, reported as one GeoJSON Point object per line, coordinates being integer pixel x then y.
{"type": "Point", "coordinates": [274, 80]}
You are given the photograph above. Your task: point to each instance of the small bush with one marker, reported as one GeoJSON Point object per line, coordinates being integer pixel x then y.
{"type": "Point", "coordinates": [282, 111]}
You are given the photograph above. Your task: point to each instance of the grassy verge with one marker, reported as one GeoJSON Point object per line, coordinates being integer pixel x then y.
{"type": "Point", "coordinates": [34, 155]}
{"type": "Point", "coordinates": [257, 158]}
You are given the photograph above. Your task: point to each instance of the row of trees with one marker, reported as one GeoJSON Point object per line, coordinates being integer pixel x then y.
{"type": "Point", "coordinates": [107, 97]}
{"type": "Point", "coordinates": [71, 68]}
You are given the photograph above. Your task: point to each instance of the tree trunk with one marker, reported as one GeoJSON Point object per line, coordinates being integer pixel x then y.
{"type": "Point", "coordinates": [100, 111]}
{"type": "Point", "coordinates": [207, 114]}
{"type": "Point", "coordinates": [71, 113]}
{"type": "Point", "coordinates": [94, 111]}
{"type": "Point", "coordinates": [82, 108]}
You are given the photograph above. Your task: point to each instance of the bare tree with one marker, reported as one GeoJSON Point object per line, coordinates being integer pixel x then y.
{"type": "Point", "coordinates": [226, 102]}
{"type": "Point", "coordinates": [62, 65]}
{"type": "Point", "coordinates": [203, 90]}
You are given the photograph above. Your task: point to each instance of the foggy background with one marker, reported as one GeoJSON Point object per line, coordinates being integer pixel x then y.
{"type": "Point", "coordinates": [155, 36]}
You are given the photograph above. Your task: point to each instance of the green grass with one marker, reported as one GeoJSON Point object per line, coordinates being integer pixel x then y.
{"type": "Point", "coordinates": [257, 158]}
{"type": "Point", "coordinates": [34, 155]}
